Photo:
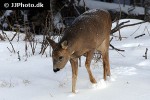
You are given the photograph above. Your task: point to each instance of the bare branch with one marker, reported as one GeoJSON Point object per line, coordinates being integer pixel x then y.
{"type": "Point", "coordinates": [9, 41]}
{"type": "Point", "coordinates": [119, 19]}
{"type": "Point", "coordinates": [84, 5]}
{"type": "Point", "coordinates": [117, 27]}
{"type": "Point", "coordinates": [13, 36]}
{"type": "Point", "coordinates": [120, 26]}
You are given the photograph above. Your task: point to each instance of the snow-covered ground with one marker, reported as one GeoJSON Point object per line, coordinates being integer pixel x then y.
{"type": "Point", "coordinates": [93, 4]}
{"type": "Point", "coordinates": [33, 78]}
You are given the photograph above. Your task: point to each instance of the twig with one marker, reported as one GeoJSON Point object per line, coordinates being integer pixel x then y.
{"type": "Point", "coordinates": [145, 56]}
{"type": "Point", "coordinates": [19, 56]}
{"type": "Point", "coordinates": [43, 47]}
{"type": "Point", "coordinates": [84, 5]}
{"type": "Point", "coordinates": [97, 56]}
{"type": "Point", "coordinates": [76, 10]}
{"type": "Point", "coordinates": [136, 30]}
{"type": "Point", "coordinates": [51, 95]}
{"type": "Point", "coordinates": [116, 48]}
{"type": "Point", "coordinates": [139, 36]}
{"type": "Point", "coordinates": [26, 49]}
{"type": "Point", "coordinates": [117, 26]}
{"type": "Point", "coordinates": [9, 41]}
{"type": "Point", "coordinates": [111, 39]}
{"type": "Point", "coordinates": [120, 38]}
{"type": "Point", "coordinates": [148, 31]}
{"type": "Point", "coordinates": [120, 53]}
{"type": "Point", "coordinates": [18, 37]}
{"type": "Point", "coordinates": [117, 36]}
{"type": "Point", "coordinates": [79, 61]}
{"type": "Point", "coordinates": [13, 36]}
{"type": "Point", "coordinates": [132, 24]}
{"type": "Point", "coordinates": [33, 45]}
{"type": "Point", "coordinates": [144, 30]}
{"type": "Point", "coordinates": [9, 50]}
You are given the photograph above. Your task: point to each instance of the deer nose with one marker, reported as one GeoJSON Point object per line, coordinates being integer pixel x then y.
{"type": "Point", "coordinates": [56, 69]}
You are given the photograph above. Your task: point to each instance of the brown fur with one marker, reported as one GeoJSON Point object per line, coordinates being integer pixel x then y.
{"type": "Point", "coordinates": [89, 32]}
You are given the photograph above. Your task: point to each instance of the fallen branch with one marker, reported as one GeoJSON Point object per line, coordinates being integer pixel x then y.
{"type": "Point", "coordinates": [116, 48]}
{"type": "Point", "coordinates": [19, 56]}
{"type": "Point", "coordinates": [139, 36]}
{"type": "Point", "coordinates": [145, 56]}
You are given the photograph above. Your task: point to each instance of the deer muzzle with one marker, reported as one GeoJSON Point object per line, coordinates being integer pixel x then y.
{"type": "Point", "coordinates": [56, 70]}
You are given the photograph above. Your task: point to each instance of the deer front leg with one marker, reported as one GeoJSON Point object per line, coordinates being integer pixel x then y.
{"type": "Point", "coordinates": [74, 65]}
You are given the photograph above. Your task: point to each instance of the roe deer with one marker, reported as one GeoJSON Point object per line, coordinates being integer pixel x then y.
{"type": "Point", "coordinates": [88, 32]}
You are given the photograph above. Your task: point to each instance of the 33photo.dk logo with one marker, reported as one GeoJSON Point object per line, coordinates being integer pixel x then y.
{"type": "Point", "coordinates": [6, 5]}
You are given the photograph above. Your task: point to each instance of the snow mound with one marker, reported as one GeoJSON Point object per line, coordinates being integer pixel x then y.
{"type": "Point", "coordinates": [99, 85]}
{"type": "Point", "coordinates": [132, 45]}
{"type": "Point", "coordinates": [93, 4]}
{"type": "Point", "coordinates": [125, 70]}
{"type": "Point", "coordinates": [143, 63]}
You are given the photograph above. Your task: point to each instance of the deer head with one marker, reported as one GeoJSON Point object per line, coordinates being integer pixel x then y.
{"type": "Point", "coordinates": [60, 55]}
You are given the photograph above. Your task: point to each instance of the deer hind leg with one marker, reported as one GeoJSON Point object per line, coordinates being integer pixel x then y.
{"type": "Point", "coordinates": [105, 57]}
{"type": "Point", "coordinates": [106, 65]}
{"type": "Point", "coordinates": [87, 65]}
{"type": "Point", "coordinates": [74, 65]}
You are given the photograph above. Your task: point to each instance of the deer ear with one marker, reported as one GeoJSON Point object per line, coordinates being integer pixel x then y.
{"type": "Point", "coordinates": [64, 44]}
{"type": "Point", "coordinates": [51, 42]}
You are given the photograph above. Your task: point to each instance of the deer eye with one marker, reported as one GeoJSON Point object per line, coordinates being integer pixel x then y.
{"type": "Point", "coordinates": [61, 57]}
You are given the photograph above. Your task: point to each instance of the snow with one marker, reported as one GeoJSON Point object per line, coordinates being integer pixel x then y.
{"type": "Point", "coordinates": [93, 4]}
{"type": "Point", "coordinates": [33, 78]}
{"type": "Point", "coordinates": [8, 12]}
